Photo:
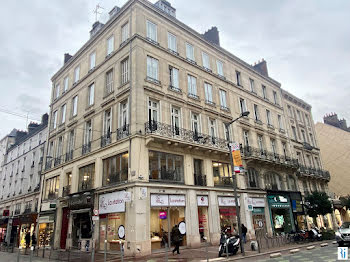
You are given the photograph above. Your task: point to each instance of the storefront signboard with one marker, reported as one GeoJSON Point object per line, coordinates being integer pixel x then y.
{"type": "Point", "coordinates": [202, 201]}
{"type": "Point", "coordinates": [227, 201]}
{"type": "Point", "coordinates": [162, 215]}
{"type": "Point", "coordinates": [80, 201]}
{"type": "Point", "coordinates": [112, 202]}
{"type": "Point", "coordinates": [280, 205]}
{"type": "Point", "coordinates": [46, 219]}
{"type": "Point", "coordinates": [159, 200]}
{"type": "Point", "coordinates": [258, 210]}
{"type": "Point", "coordinates": [296, 205]}
{"type": "Point", "coordinates": [6, 213]}
{"type": "Point", "coordinates": [177, 200]}
{"type": "Point", "coordinates": [258, 202]}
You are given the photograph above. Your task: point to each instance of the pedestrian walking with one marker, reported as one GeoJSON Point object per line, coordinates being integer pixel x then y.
{"type": "Point", "coordinates": [176, 238]}
{"type": "Point", "coordinates": [244, 233]}
{"type": "Point", "coordinates": [33, 240]}
{"type": "Point", "coordinates": [27, 239]}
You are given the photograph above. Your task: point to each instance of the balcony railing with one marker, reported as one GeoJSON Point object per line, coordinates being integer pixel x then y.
{"type": "Point", "coordinates": [57, 161]}
{"type": "Point", "coordinates": [86, 148]}
{"type": "Point", "coordinates": [69, 155]}
{"type": "Point", "coordinates": [166, 175]}
{"type": "Point", "coordinates": [223, 181]}
{"type": "Point", "coordinates": [264, 155]}
{"type": "Point", "coordinates": [106, 139]}
{"type": "Point", "coordinates": [17, 211]}
{"type": "Point", "coordinates": [123, 132]}
{"type": "Point", "coordinates": [117, 177]}
{"type": "Point", "coordinates": [27, 210]}
{"type": "Point", "coordinates": [318, 173]}
{"type": "Point", "coordinates": [185, 135]}
{"type": "Point", "coordinates": [66, 190]}
{"type": "Point", "coordinates": [86, 185]}
{"type": "Point", "coordinates": [200, 180]}
{"type": "Point", "coordinates": [52, 195]}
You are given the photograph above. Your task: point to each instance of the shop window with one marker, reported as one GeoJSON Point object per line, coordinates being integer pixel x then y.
{"type": "Point", "coordinates": [166, 167]}
{"type": "Point", "coordinates": [228, 220]}
{"type": "Point", "coordinates": [109, 225]}
{"type": "Point", "coordinates": [81, 229]}
{"type": "Point", "coordinates": [115, 169]}
{"type": "Point", "coordinates": [51, 188]}
{"type": "Point", "coordinates": [86, 177]}
{"type": "Point", "coordinates": [221, 172]}
{"type": "Point", "coordinates": [252, 178]}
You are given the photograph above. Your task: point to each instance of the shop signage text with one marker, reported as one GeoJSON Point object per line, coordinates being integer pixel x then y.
{"type": "Point", "coordinates": [112, 202]}
{"type": "Point", "coordinates": [202, 201]}
{"type": "Point", "coordinates": [258, 202]}
{"type": "Point", "coordinates": [177, 200]}
{"type": "Point", "coordinates": [227, 201]}
{"type": "Point", "coordinates": [167, 200]}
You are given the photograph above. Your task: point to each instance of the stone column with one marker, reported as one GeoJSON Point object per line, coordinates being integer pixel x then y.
{"type": "Point", "coordinates": [192, 225]}
{"type": "Point", "coordinates": [188, 170]}
{"type": "Point", "coordinates": [246, 217]}
{"type": "Point", "coordinates": [208, 169]}
{"type": "Point", "coordinates": [214, 218]}
{"type": "Point", "coordinates": [58, 226]}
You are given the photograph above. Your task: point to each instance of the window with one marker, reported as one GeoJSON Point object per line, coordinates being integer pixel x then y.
{"type": "Point", "coordinates": [189, 51]}
{"type": "Point", "coordinates": [264, 91]}
{"type": "Point", "coordinates": [115, 169]}
{"type": "Point", "coordinates": [306, 189]}
{"type": "Point", "coordinates": [59, 151]}
{"type": "Point", "coordinates": [208, 88]}
{"type": "Point", "coordinates": [228, 134]}
{"type": "Point", "coordinates": [223, 99]}
{"type": "Point", "coordinates": [222, 174]}
{"type": "Point", "coordinates": [299, 158]}
{"type": "Point", "coordinates": [294, 133]}
{"type": "Point", "coordinates": [192, 85]}
{"type": "Point", "coordinates": [88, 132]}
{"type": "Point", "coordinates": [109, 81]}
{"type": "Point", "coordinates": [151, 31]}
{"type": "Point", "coordinates": [252, 87]}
{"type": "Point", "coordinates": [107, 125]}
{"type": "Point", "coordinates": [273, 182]}
{"type": "Point", "coordinates": [54, 124]}
{"type": "Point", "coordinates": [65, 84]}
{"type": "Point", "coordinates": [152, 68]}
{"type": "Point", "coordinates": [175, 120]}
{"type": "Point", "coordinates": [220, 68]}
{"type": "Point", "coordinates": [174, 78]}
{"type": "Point", "coordinates": [110, 45]}
{"type": "Point", "coordinates": [63, 113]}
{"type": "Point", "coordinates": [57, 91]}
{"type": "Point", "coordinates": [280, 122]}
{"type": "Point", "coordinates": [246, 138]}
{"type": "Point", "coordinates": [317, 162]}
{"type": "Point", "coordinates": [261, 143]}
{"type": "Point", "coordinates": [212, 128]}
{"type": "Point", "coordinates": [195, 125]}
{"type": "Point", "coordinates": [166, 167]}
{"type": "Point", "coordinates": [86, 177]}
{"type": "Point", "coordinates": [51, 188]}
{"type": "Point", "coordinates": [125, 71]}
{"type": "Point", "coordinates": [298, 115]}
{"type": "Point", "coordinates": [284, 148]}
{"type": "Point", "coordinates": [205, 60]}
{"type": "Point", "coordinates": [307, 119]}
{"type": "Point", "coordinates": [273, 146]}
{"type": "Point", "coordinates": [312, 139]}
{"type": "Point", "coordinates": [268, 117]}
{"type": "Point", "coordinates": [75, 106]}
{"type": "Point", "coordinates": [70, 145]}
{"type": "Point", "coordinates": [125, 32]}
{"type": "Point", "coordinates": [238, 78]}
{"type": "Point", "coordinates": [76, 74]}
{"type": "Point", "coordinates": [290, 113]}
{"type": "Point", "coordinates": [256, 113]}
{"type": "Point", "coordinates": [252, 178]}
{"type": "Point", "coordinates": [172, 42]}
{"type": "Point", "coordinates": [153, 111]}
{"type": "Point", "coordinates": [242, 105]}
{"type": "Point", "coordinates": [92, 60]}
{"type": "Point", "coordinates": [292, 185]}
{"type": "Point", "coordinates": [123, 114]}
{"type": "Point", "coordinates": [91, 94]}
{"type": "Point", "coordinates": [275, 98]}
{"type": "Point", "coordinates": [309, 160]}
{"type": "Point", "coordinates": [303, 135]}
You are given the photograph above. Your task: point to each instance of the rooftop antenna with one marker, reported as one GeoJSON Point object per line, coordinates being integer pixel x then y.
{"type": "Point", "coordinates": [96, 11]}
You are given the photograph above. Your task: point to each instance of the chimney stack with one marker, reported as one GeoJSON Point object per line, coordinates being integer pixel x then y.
{"type": "Point", "coordinates": [261, 67]}
{"type": "Point", "coordinates": [95, 28]}
{"type": "Point", "coordinates": [212, 35]}
{"type": "Point", "coordinates": [67, 56]}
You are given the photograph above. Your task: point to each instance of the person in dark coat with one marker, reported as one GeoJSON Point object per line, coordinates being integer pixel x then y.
{"type": "Point", "coordinates": [244, 233]}
{"type": "Point", "coordinates": [176, 238]}
{"type": "Point", "coordinates": [33, 240]}
{"type": "Point", "coordinates": [27, 239]}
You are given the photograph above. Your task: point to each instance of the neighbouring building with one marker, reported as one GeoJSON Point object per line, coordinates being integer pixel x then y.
{"type": "Point", "coordinates": [141, 108]}
{"type": "Point", "coordinates": [334, 141]}
{"type": "Point", "coordinates": [5, 144]}
{"type": "Point", "coordinates": [20, 183]}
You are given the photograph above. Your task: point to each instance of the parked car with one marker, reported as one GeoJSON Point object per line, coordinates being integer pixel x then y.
{"type": "Point", "coordinates": [343, 234]}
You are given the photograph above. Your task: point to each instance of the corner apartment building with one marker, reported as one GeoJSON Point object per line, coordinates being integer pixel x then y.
{"type": "Point", "coordinates": [20, 183]}
{"type": "Point", "coordinates": [141, 108]}
{"type": "Point", "coordinates": [5, 144]}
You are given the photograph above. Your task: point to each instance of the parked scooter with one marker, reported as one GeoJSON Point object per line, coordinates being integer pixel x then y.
{"type": "Point", "coordinates": [314, 234]}
{"type": "Point", "coordinates": [228, 244]}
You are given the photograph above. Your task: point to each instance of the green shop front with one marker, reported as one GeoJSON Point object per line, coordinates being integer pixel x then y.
{"type": "Point", "coordinates": [280, 207]}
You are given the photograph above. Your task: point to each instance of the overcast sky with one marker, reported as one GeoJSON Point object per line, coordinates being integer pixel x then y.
{"type": "Point", "coordinates": [306, 45]}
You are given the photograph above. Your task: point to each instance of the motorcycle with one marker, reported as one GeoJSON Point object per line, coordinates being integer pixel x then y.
{"type": "Point", "coordinates": [228, 244]}
{"type": "Point", "coordinates": [314, 234]}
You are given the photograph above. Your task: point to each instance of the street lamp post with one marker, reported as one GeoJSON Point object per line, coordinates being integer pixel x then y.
{"type": "Point", "coordinates": [227, 125]}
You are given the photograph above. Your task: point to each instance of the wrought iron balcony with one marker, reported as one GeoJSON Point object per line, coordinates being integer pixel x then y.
{"type": "Point", "coordinates": [69, 155]}
{"type": "Point", "coordinates": [86, 185]}
{"type": "Point", "coordinates": [66, 190]}
{"type": "Point", "coordinates": [17, 211]}
{"type": "Point", "coordinates": [310, 171]}
{"type": "Point", "coordinates": [223, 181]}
{"type": "Point", "coordinates": [57, 161]}
{"type": "Point", "coordinates": [106, 139]}
{"type": "Point", "coordinates": [123, 132]}
{"type": "Point", "coordinates": [86, 148]}
{"type": "Point", "coordinates": [194, 96]}
{"type": "Point", "coordinates": [52, 195]}
{"type": "Point", "coordinates": [27, 210]}
{"type": "Point", "coordinates": [184, 135]}
{"type": "Point", "coordinates": [166, 175]}
{"type": "Point", "coordinates": [200, 180]}
{"type": "Point", "coordinates": [264, 155]}
{"type": "Point", "coordinates": [174, 88]}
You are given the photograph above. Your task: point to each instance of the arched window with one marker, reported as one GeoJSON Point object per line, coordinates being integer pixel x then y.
{"type": "Point", "coordinates": [252, 178]}
{"type": "Point", "coordinates": [292, 184]}
{"type": "Point", "coordinates": [273, 181]}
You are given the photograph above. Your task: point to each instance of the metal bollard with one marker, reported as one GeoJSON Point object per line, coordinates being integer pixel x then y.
{"type": "Point", "coordinates": [206, 247]}
{"type": "Point", "coordinates": [93, 251]}
{"type": "Point", "coordinates": [121, 251]}
{"type": "Point", "coordinates": [19, 252]}
{"type": "Point", "coordinates": [105, 254]}
{"type": "Point", "coordinates": [166, 252]}
{"type": "Point", "coordinates": [226, 248]}
{"type": "Point", "coordinates": [31, 253]}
